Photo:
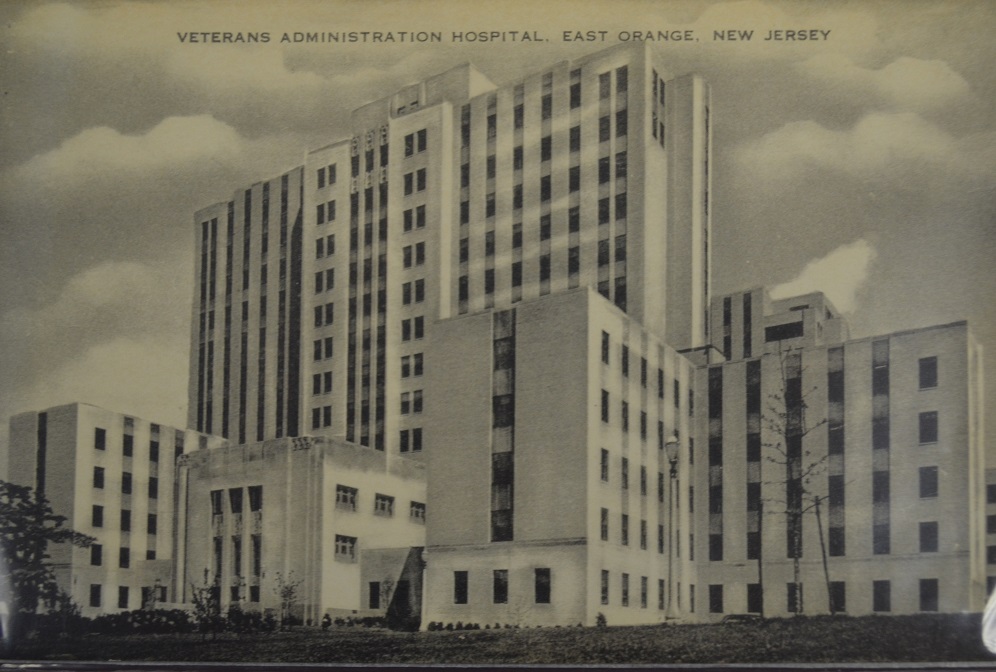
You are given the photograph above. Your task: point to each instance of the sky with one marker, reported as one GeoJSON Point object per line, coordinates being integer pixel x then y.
{"type": "Point", "coordinates": [861, 164]}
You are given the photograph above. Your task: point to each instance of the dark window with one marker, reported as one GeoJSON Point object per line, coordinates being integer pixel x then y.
{"type": "Point", "coordinates": [125, 520]}
{"type": "Point", "coordinates": [460, 587]}
{"type": "Point", "coordinates": [542, 585]}
{"type": "Point", "coordinates": [94, 594]}
{"type": "Point", "coordinates": [928, 482]}
{"type": "Point", "coordinates": [126, 483]}
{"type": "Point", "coordinates": [605, 465]}
{"type": "Point", "coordinates": [881, 596]}
{"type": "Point", "coordinates": [500, 586]}
{"type": "Point", "coordinates": [128, 445]}
{"type": "Point", "coordinates": [122, 597]}
{"type": "Point", "coordinates": [928, 372]}
{"type": "Point", "coordinates": [928, 594]}
{"type": "Point", "coordinates": [783, 332]}
{"type": "Point", "coordinates": [96, 555]}
{"type": "Point", "coordinates": [716, 599]}
{"type": "Point", "coordinates": [604, 525]}
{"type": "Point", "coordinates": [838, 596]}
{"type": "Point", "coordinates": [374, 602]}
{"type": "Point", "coordinates": [97, 519]}
{"type": "Point", "coordinates": [928, 427]}
{"type": "Point", "coordinates": [98, 477]}
{"type": "Point", "coordinates": [576, 95]}
{"type": "Point", "coordinates": [928, 537]}
{"type": "Point", "coordinates": [605, 406]}
{"type": "Point", "coordinates": [124, 557]}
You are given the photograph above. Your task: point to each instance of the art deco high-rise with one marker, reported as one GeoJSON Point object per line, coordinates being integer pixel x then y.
{"type": "Point", "coordinates": [317, 291]}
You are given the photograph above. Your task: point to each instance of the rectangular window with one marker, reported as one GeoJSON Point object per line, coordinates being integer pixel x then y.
{"type": "Point", "coordinates": [499, 586]}
{"type": "Point", "coordinates": [128, 445]}
{"type": "Point", "coordinates": [604, 527]}
{"type": "Point", "coordinates": [125, 520]}
{"type": "Point", "coordinates": [625, 590]}
{"type": "Point", "coordinates": [374, 602]}
{"type": "Point", "coordinates": [928, 373]}
{"type": "Point", "coordinates": [624, 530]}
{"type": "Point", "coordinates": [755, 598]}
{"type": "Point", "coordinates": [928, 594]}
{"type": "Point", "coordinates": [881, 596]}
{"type": "Point", "coordinates": [928, 427]}
{"type": "Point", "coordinates": [605, 407]}
{"type": "Point", "coordinates": [605, 586]}
{"type": "Point", "coordinates": [124, 557]}
{"type": "Point", "coordinates": [345, 548]}
{"type": "Point", "coordinates": [96, 555]}
{"type": "Point", "coordinates": [928, 537]}
{"type": "Point", "coordinates": [383, 505]}
{"type": "Point", "coordinates": [122, 597]}
{"type": "Point", "coordinates": [715, 599]}
{"type": "Point", "coordinates": [100, 438]}
{"type": "Point", "coordinates": [153, 487]}
{"type": "Point", "coordinates": [542, 581]}
{"type": "Point", "coordinates": [152, 523]}
{"type": "Point", "coordinates": [416, 512]}
{"type": "Point", "coordinates": [97, 518]}
{"type": "Point", "coordinates": [838, 596]}
{"type": "Point", "coordinates": [928, 482]}
{"type": "Point", "coordinates": [125, 483]}
{"type": "Point", "coordinates": [460, 587]}
{"type": "Point", "coordinates": [345, 497]}
{"type": "Point", "coordinates": [94, 594]}
{"type": "Point", "coordinates": [605, 465]}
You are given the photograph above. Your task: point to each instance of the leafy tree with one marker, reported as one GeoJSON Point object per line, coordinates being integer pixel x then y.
{"type": "Point", "coordinates": [286, 588]}
{"type": "Point", "coordinates": [207, 605]}
{"type": "Point", "coordinates": [27, 526]}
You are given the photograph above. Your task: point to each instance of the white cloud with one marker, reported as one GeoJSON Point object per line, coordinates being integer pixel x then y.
{"type": "Point", "coordinates": [841, 275]}
{"type": "Point", "coordinates": [174, 143]}
{"type": "Point", "coordinates": [901, 150]}
{"type": "Point", "coordinates": [904, 84]}
{"type": "Point", "coordinates": [145, 376]}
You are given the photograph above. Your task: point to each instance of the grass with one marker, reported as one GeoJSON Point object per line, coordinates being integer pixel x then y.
{"type": "Point", "coordinates": [924, 638]}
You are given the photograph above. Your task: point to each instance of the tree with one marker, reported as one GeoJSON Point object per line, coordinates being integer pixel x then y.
{"type": "Point", "coordinates": [27, 527]}
{"type": "Point", "coordinates": [786, 423]}
{"type": "Point", "coordinates": [286, 588]}
{"type": "Point", "coordinates": [207, 605]}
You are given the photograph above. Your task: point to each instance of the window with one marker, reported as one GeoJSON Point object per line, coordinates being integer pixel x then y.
{"type": "Point", "coordinates": [125, 483]}
{"type": "Point", "coordinates": [374, 601]}
{"type": "Point", "coordinates": [124, 557]}
{"type": "Point", "coordinates": [715, 599]}
{"type": "Point", "coordinates": [838, 596]}
{"type": "Point", "coordinates": [125, 520]}
{"type": "Point", "coordinates": [643, 535]}
{"type": "Point", "coordinates": [542, 581]}
{"type": "Point", "coordinates": [94, 594]}
{"type": "Point", "coordinates": [345, 497]}
{"type": "Point", "coordinates": [575, 95]}
{"type": "Point", "coordinates": [928, 537]}
{"type": "Point", "coordinates": [881, 596]}
{"type": "Point", "coordinates": [928, 427]}
{"type": "Point", "coordinates": [97, 518]}
{"type": "Point", "coordinates": [625, 590]}
{"type": "Point", "coordinates": [546, 103]}
{"type": "Point", "coordinates": [605, 465]}
{"type": "Point", "coordinates": [624, 530]}
{"type": "Point", "coordinates": [928, 482]}
{"type": "Point", "coordinates": [621, 125]}
{"type": "Point", "coordinates": [928, 373]}
{"type": "Point", "coordinates": [755, 598]}
{"type": "Point", "coordinates": [383, 505]}
{"type": "Point", "coordinates": [153, 487]}
{"type": "Point", "coordinates": [128, 445]}
{"type": "Point", "coordinates": [604, 526]}
{"type": "Point", "coordinates": [345, 548]}
{"type": "Point", "coordinates": [604, 85]}
{"type": "Point", "coordinates": [499, 590]}
{"type": "Point", "coordinates": [605, 406]}
{"type": "Point", "coordinates": [96, 555]}
{"type": "Point", "coordinates": [460, 587]}
{"type": "Point", "coordinates": [546, 148]}
{"type": "Point", "coordinates": [928, 594]}
{"type": "Point", "coordinates": [100, 438]}
{"type": "Point", "coordinates": [991, 494]}
{"type": "Point", "coordinates": [605, 586]}
{"type": "Point", "coordinates": [152, 523]}
{"type": "Point", "coordinates": [416, 512]}
{"type": "Point", "coordinates": [625, 473]}
{"type": "Point", "coordinates": [575, 139]}
{"type": "Point", "coordinates": [153, 451]}
{"type": "Point", "coordinates": [603, 170]}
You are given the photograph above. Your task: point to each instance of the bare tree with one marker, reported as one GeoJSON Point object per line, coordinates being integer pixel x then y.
{"type": "Point", "coordinates": [787, 425]}
{"type": "Point", "coordinates": [286, 588]}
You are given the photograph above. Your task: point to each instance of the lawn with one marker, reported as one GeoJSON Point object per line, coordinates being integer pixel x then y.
{"type": "Point", "coordinates": [926, 638]}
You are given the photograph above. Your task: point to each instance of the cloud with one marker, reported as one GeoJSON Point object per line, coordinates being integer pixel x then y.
{"type": "Point", "coordinates": [904, 84]}
{"type": "Point", "coordinates": [144, 376]}
{"type": "Point", "coordinates": [898, 150]}
{"type": "Point", "coordinates": [174, 143]}
{"type": "Point", "coordinates": [841, 275]}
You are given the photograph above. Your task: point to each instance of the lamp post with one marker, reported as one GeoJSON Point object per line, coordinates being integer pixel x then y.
{"type": "Point", "coordinates": [671, 452]}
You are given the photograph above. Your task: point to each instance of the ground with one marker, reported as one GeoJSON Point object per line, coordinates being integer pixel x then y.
{"type": "Point", "coordinates": [925, 638]}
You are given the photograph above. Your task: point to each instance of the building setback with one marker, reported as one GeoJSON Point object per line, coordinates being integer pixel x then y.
{"type": "Point", "coordinates": [872, 446]}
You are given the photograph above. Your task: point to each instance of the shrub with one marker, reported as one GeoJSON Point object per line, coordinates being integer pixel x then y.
{"type": "Point", "coordinates": [601, 621]}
